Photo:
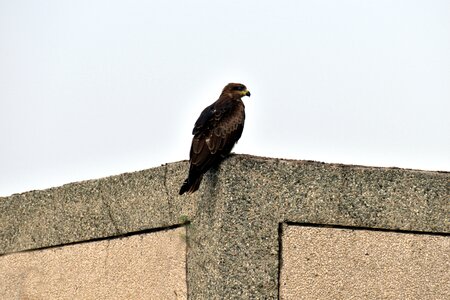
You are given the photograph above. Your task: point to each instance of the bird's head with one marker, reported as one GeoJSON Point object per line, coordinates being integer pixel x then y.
{"type": "Point", "coordinates": [235, 90]}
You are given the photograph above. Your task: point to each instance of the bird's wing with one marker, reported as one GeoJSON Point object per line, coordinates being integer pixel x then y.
{"type": "Point", "coordinates": [216, 131]}
{"type": "Point", "coordinates": [211, 115]}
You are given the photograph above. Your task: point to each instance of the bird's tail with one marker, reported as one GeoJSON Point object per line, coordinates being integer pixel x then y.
{"type": "Point", "coordinates": [191, 184]}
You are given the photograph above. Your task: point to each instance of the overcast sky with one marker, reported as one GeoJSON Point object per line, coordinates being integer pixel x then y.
{"type": "Point", "coordinates": [95, 88]}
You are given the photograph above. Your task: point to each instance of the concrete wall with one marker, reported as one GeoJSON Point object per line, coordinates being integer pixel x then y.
{"type": "Point", "coordinates": [145, 266]}
{"type": "Point", "coordinates": [237, 245]}
{"type": "Point", "coordinates": [340, 263]}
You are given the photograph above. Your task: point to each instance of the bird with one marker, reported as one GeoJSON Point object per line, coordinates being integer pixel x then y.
{"type": "Point", "coordinates": [216, 131]}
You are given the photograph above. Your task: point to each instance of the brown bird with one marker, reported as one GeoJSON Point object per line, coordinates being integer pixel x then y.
{"type": "Point", "coordinates": [216, 131]}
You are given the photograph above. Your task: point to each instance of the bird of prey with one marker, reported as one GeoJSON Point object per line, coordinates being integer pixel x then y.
{"type": "Point", "coordinates": [216, 131]}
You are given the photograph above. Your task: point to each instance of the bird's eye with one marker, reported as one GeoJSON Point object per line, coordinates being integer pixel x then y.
{"type": "Point", "coordinates": [239, 88]}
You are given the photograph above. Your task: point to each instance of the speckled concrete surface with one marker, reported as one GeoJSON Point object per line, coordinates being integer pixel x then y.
{"type": "Point", "coordinates": [93, 209]}
{"type": "Point", "coordinates": [147, 266]}
{"type": "Point", "coordinates": [234, 217]}
{"type": "Point", "coordinates": [331, 263]}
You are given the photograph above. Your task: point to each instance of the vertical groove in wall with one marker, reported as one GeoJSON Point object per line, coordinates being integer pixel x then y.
{"type": "Point", "coordinates": [186, 227]}
{"type": "Point", "coordinates": [280, 255]}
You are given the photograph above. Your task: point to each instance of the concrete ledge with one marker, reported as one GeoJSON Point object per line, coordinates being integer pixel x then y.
{"type": "Point", "coordinates": [234, 218]}
{"type": "Point", "coordinates": [92, 209]}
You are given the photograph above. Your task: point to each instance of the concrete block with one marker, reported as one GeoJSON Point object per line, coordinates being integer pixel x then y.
{"type": "Point", "coordinates": [338, 263]}
{"type": "Point", "coordinates": [146, 266]}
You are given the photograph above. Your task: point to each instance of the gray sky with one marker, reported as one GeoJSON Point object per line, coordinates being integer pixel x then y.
{"type": "Point", "coordinates": [96, 88]}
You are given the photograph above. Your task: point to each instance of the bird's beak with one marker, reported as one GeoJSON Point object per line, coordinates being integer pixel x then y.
{"type": "Point", "coordinates": [247, 93]}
